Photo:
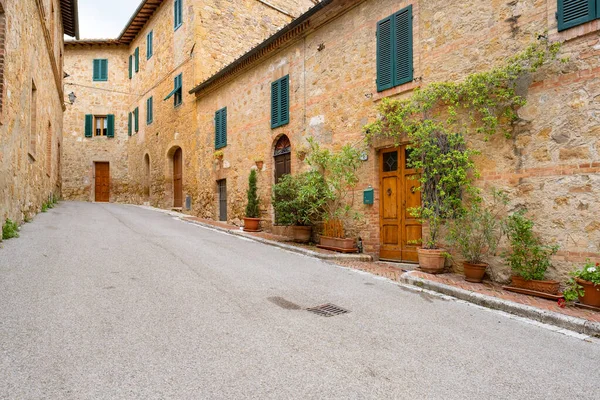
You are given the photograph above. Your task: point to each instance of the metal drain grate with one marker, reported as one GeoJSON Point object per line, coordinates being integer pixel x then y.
{"type": "Point", "coordinates": [327, 310]}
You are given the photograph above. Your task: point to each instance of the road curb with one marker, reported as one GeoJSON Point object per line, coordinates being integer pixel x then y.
{"type": "Point", "coordinates": [289, 247]}
{"type": "Point", "coordinates": [545, 316]}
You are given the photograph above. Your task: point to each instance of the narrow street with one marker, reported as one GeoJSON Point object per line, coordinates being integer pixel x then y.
{"type": "Point", "coordinates": [107, 301]}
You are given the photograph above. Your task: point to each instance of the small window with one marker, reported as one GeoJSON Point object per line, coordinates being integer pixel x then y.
{"type": "Point", "coordinates": [177, 14]}
{"type": "Point", "coordinates": [221, 128]}
{"type": "Point", "coordinates": [395, 50]}
{"type": "Point", "coordinates": [149, 45]}
{"type": "Point", "coordinates": [576, 12]}
{"type": "Point", "coordinates": [100, 70]}
{"type": "Point", "coordinates": [149, 110]}
{"type": "Point", "coordinates": [136, 117]}
{"type": "Point", "coordinates": [280, 102]}
{"type": "Point", "coordinates": [390, 161]}
{"type": "Point", "coordinates": [100, 125]}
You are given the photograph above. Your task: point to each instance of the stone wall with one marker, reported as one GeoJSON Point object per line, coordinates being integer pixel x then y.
{"type": "Point", "coordinates": [30, 53]}
{"type": "Point", "coordinates": [550, 166]}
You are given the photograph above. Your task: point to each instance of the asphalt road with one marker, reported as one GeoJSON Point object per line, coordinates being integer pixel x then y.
{"type": "Point", "coordinates": [104, 301]}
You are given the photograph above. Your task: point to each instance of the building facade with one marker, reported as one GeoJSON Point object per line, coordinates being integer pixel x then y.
{"type": "Point", "coordinates": [319, 77]}
{"type": "Point", "coordinates": [31, 102]}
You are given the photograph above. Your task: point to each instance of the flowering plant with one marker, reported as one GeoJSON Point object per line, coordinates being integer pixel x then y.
{"type": "Point", "coordinates": [590, 272]}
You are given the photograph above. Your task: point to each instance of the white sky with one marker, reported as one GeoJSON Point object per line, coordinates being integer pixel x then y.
{"type": "Point", "coordinates": [104, 19]}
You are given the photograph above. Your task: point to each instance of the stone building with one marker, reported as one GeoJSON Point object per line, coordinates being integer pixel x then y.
{"type": "Point", "coordinates": [326, 58]}
{"type": "Point", "coordinates": [31, 101]}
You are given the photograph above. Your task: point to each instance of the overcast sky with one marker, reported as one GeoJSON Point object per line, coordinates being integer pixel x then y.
{"type": "Point", "coordinates": [104, 19]}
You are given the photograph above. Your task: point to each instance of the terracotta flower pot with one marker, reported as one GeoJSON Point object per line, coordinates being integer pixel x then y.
{"type": "Point", "coordinates": [431, 260]}
{"type": "Point", "coordinates": [251, 224]}
{"type": "Point", "coordinates": [550, 287]}
{"type": "Point", "coordinates": [474, 272]}
{"type": "Point", "coordinates": [301, 233]}
{"type": "Point", "coordinates": [259, 165]}
{"type": "Point", "coordinates": [592, 293]}
{"type": "Point", "coordinates": [338, 244]}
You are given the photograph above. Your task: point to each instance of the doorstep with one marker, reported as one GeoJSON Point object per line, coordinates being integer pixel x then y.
{"type": "Point", "coordinates": [490, 295]}
{"type": "Point", "coordinates": [282, 242]}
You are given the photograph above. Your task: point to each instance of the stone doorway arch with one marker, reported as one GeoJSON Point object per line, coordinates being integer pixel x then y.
{"type": "Point", "coordinates": [175, 155]}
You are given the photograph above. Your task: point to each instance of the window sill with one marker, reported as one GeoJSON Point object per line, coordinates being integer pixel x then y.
{"type": "Point", "coordinates": [100, 80]}
{"type": "Point", "coordinates": [404, 88]}
{"type": "Point", "coordinates": [576, 31]}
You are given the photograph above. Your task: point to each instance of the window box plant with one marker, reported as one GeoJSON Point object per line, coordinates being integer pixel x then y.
{"type": "Point", "coordinates": [528, 257]}
{"type": "Point", "coordinates": [252, 218]}
{"type": "Point", "coordinates": [476, 232]}
{"type": "Point", "coordinates": [584, 285]}
{"type": "Point", "coordinates": [298, 201]}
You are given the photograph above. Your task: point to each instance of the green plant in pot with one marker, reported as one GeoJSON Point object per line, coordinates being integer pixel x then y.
{"type": "Point", "coordinates": [252, 218]}
{"type": "Point", "coordinates": [476, 232]}
{"type": "Point", "coordinates": [298, 200]}
{"type": "Point", "coordinates": [584, 285]}
{"type": "Point", "coordinates": [528, 257]}
{"type": "Point", "coordinates": [339, 170]}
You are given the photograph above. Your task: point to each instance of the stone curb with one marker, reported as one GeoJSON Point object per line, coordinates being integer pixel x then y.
{"type": "Point", "coordinates": [548, 317]}
{"type": "Point", "coordinates": [295, 249]}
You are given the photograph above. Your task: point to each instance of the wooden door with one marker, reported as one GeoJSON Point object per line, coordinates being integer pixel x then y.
{"type": "Point", "coordinates": [222, 188]}
{"type": "Point", "coordinates": [283, 166]}
{"type": "Point", "coordinates": [177, 179]}
{"type": "Point", "coordinates": [400, 232]}
{"type": "Point", "coordinates": [102, 182]}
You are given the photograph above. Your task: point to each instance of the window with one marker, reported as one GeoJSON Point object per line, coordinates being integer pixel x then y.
{"type": "Point", "coordinates": [130, 66]}
{"type": "Point", "coordinates": [221, 128]}
{"type": "Point", "coordinates": [149, 110]}
{"type": "Point", "coordinates": [280, 102]}
{"type": "Point", "coordinates": [33, 121]}
{"type": "Point", "coordinates": [136, 54]}
{"type": "Point", "coordinates": [177, 91]}
{"type": "Point", "coordinates": [99, 125]}
{"type": "Point", "coordinates": [178, 14]}
{"type": "Point", "coordinates": [149, 45]}
{"type": "Point", "coordinates": [100, 70]}
{"type": "Point", "coordinates": [136, 117]}
{"type": "Point", "coordinates": [395, 50]}
{"type": "Point", "coordinates": [129, 125]}
{"type": "Point", "coordinates": [576, 12]}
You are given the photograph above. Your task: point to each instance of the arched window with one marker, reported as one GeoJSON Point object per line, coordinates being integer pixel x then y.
{"type": "Point", "coordinates": [283, 157]}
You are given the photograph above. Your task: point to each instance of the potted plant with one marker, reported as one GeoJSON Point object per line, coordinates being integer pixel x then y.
{"type": "Point", "coordinates": [252, 220]}
{"type": "Point", "coordinates": [298, 201]}
{"type": "Point", "coordinates": [584, 285]}
{"type": "Point", "coordinates": [476, 232]}
{"type": "Point", "coordinates": [218, 155]}
{"type": "Point", "coordinates": [259, 163]}
{"type": "Point", "coordinates": [339, 170]}
{"type": "Point", "coordinates": [528, 257]}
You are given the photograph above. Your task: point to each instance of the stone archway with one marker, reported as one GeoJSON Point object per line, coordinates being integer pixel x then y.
{"type": "Point", "coordinates": [147, 179]}
{"type": "Point", "coordinates": [175, 155]}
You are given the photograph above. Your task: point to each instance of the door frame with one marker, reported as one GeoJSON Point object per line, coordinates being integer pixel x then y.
{"type": "Point", "coordinates": [95, 194]}
{"type": "Point", "coordinates": [175, 150]}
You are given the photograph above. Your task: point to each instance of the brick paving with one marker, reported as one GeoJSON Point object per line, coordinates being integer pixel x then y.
{"type": "Point", "coordinates": [394, 272]}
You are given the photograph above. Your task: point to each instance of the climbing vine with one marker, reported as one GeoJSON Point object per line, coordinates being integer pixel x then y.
{"type": "Point", "coordinates": [435, 121]}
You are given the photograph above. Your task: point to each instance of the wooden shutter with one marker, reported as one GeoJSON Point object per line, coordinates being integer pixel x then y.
{"type": "Point", "coordinates": [218, 129]}
{"type": "Point", "coordinates": [136, 114]}
{"type": "Point", "coordinates": [89, 125]}
{"type": "Point", "coordinates": [96, 73]}
{"type": "Point", "coordinates": [575, 12]}
{"type": "Point", "coordinates": [385, 57]}
{"type": "Point", "coordinates": [137, 59]}
{"type": "Point", "coordinates": [275, 111]}
{"type": "Point", "coordinates": [223, 138]}
{"type": "Point", "coordinates": [129, 127]}
{"type": "Point", "coordinates": [177, 14]}
{"type": "Point", "coordinates": [403, 43]}
{"type": "Point", "coordinates": [110, 121]}
{"type": "Point", "coordinates": [284, 100]}
{"type": "Point", "coordinates": [149, 44]}
{"type": "Point", "coordinates": [104, 70]}
{"type": "Point", "coordinates": [149, 110]}
{"type": "Point", "coordinates": [130, 66]}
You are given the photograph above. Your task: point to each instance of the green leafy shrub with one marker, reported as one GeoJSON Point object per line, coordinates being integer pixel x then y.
{"type": "Point", "coordinates": [44, 207]}
{"type": "Point", "coordinates": [252, 210]}
{"type": "Point", "coordinates": [10, 230]}
{"type": "Point", "coordinates": [477, 231]}
{"type": "Point", "coordinates": [590, 272]}
{"type": "Point", "coordinates": [528, 257]}
{"type": "Point", "coordinates": [299, 199]}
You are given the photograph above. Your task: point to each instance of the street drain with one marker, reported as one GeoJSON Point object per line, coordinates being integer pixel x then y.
{"type": "Point", "coordinates": [327, 310]}
{"type": "Point", "coordinates": [283, 303]}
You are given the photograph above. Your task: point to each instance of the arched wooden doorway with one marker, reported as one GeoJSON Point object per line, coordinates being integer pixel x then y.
{"type": "Point", "coordinates": [178, 178]}
{"type": "Point", "coordinates": [283, 157]}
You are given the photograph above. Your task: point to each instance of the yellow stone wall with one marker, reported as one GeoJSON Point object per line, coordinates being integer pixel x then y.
{"type": "Point", "coordinates": [30, 175]}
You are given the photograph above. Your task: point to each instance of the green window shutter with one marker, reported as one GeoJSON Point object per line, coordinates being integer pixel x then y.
{"type": "Point", "coordinates": [275, 110]}
{"type": "Point", "coordinates": [137, 59]}
{"type": "Point", "coordinates": [284, 100]}
{"type": "Point", "coordinates": [104, 70]}
{"type": "Point", "coordinates": [385, 55]}
{"type": "Point", "coordinates": [403, 46]}
{"type": "Point", "coordinates": [149, 45]}
{"type": "Point", "coordinates": [575, 12]}
{"type": "Point", "coordinates": [149, 110]}
{"type": "Point", "coordinates": [224, 127]}
{"type": "Point", "coordinates": [96, 73]}
{"type": "Point", "coordinates": [136, 114]}
{"type": "Point", "coordinates": [221, 128]}
{"type": "Point", "coordinates": [130, 66]}
{"type": "Point", "coordinates": [218, 129]}
{"type": "Point", "coordinates": [177, 14]}
{"type": "Point", "coordinates": [178, 89]}
{"type": "Point", "coordinates": [89, 125]}
{"type": "Point", "coordinates": [129, 125]}
{"type": "Point", "coordinates": [110, 122]}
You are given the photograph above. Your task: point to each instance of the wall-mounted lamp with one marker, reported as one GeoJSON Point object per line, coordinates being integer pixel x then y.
{"type": "Point", "coordinates": [72, 97]}
{"type": "Point", "coordinates": [321, 47]}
